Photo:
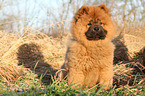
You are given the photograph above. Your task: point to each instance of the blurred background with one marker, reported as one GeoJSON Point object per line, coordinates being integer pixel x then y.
{"type": "Point", "coordinates": [53, 17]}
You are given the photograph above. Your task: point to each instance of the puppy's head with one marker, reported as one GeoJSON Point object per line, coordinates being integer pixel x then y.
{"type": "Point", "coordinates": [95, 30]}
{"type": "Point", "coordinates": [92, 24]}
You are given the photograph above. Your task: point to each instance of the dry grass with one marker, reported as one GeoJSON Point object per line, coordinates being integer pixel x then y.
{"type": "Point", "coordinates": [28, 51]}
{"type": "Point", "coordinates": [9, 73]}
{"type": "Point", "coordinates": [128, 73]}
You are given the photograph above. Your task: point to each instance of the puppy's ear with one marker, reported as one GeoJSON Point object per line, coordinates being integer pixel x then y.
{"type": "Point", "coordinates": [103, 7]}
{"type": "Point", "coordinates": [83, 10]}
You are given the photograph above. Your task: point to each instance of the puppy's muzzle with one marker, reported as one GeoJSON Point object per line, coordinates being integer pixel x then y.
{"type": "Point", "coordinates": [96, 32]}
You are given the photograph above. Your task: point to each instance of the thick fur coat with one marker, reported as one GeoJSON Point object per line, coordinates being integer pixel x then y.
{"type": "Point", "coordinates": [89, 58]}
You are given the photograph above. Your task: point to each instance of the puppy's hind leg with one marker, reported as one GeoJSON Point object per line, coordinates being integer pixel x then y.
{"type": "Point", "coordinates": [63, 72]}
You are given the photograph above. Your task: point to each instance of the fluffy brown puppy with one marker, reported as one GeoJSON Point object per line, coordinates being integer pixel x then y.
{"type": "Point", "coordinates": [89, 58]}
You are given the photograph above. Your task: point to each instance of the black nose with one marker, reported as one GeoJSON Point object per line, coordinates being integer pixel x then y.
{"type": "Point", "coordinates": [96, 28]}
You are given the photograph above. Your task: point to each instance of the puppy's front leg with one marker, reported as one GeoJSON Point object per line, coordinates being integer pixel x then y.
{"type": "Point", "coordinates": [75, 78]}
{"type": "Point", "coordinates": [106, 77]}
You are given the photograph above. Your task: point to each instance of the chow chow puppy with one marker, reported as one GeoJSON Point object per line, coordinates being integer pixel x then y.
{"type": "Point", "coordinates": [89, 58]}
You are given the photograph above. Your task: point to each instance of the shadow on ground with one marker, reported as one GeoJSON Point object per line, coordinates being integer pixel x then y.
{"type": "Point", "coordinates": [120, 52]}
{"type": "Point", "coordinates": [31, 57]}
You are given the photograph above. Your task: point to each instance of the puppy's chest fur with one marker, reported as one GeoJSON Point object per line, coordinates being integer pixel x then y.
{"type": "Point", "coordinates": [87, 58]}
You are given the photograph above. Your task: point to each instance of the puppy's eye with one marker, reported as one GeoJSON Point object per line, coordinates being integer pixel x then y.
{"type": "Point", "coordinates": [101, 23]}
{"type": "Point", "coordinates": [89, 24]}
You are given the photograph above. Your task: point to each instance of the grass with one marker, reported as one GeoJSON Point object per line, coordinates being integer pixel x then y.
{"type": "Point", "coordinates": [57, 88]}
{"type": "Point", "coordinates": [28, 65]}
